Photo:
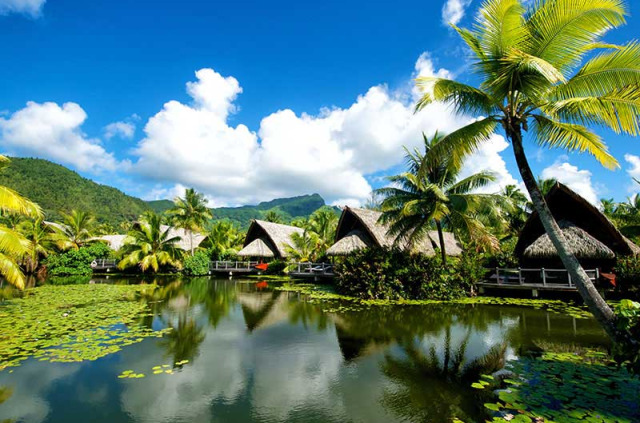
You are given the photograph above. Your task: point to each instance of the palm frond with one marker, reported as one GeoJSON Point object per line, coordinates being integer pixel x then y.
{"type": "Point", "coordinates": [12, 202]}
{"type": "Point", "coordinates": [572, 137]}
{"type": "Point", "coordinates": [464, 99]}
{"type": "Point", "coordinates": [500, 26]}
{"type": "Point", "coordinates": [473, 182]}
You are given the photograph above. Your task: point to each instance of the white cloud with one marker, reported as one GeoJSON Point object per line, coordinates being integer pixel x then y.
{"type": "Point", "coordinates": [32, 8]}
{"type": "Point", "coordinates": [291, 154]}
{"type": "Point", "coordinates": [53, 132]}
{"type": "Point", "coordinates": [124, 130]}
{"type": "Point", "coordinates": [576, 179]}
{"type": "Point", "coordinates": [634, 170]}
{"type": "Point", "coordinates": [453, 11]}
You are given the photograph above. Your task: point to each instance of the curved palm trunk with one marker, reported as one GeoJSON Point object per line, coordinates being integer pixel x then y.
{"type": "Point", "coordinates": [443, 250]}
{"type": "Point", "coordinates": [592, 298]}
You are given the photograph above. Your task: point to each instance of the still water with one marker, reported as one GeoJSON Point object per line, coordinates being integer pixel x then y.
{"type": "Point", "coordinates": [259, 355]}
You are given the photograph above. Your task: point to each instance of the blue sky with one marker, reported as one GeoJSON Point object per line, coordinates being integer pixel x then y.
{"type": "Point", "coordinates": [289, 97]}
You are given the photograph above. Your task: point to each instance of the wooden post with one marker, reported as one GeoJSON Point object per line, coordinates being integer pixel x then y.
{"type": "Point", "coordinates": [544, 277]}
{"type": "Point", "coordinates": [569, 278]}
{"type": "Point", "coordinates": [498, 276]}
{"type": "Point", "coordinates": [520, 275]}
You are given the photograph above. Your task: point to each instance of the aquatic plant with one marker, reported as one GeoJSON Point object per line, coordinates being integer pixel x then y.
{"type": "Point", "coordinates": [71, 323]}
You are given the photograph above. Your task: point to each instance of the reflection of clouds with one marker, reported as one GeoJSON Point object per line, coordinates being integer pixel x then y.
{"type": "Point", "coordinates": [186, 395]}
{"type": "Point", "coordinates": [30, 383]}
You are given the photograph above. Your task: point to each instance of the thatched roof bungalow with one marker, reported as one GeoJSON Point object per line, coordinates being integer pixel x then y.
{"type": "Point", "coordinates": [116, 242]}
{"type": "Point", "coordinates": [592, 238]}
{"type": "Point", "coordinates": [268, 240]}
{"type": "Point", "coordinates": [359, 228]}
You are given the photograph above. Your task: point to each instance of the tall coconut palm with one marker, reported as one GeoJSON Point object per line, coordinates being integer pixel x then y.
{"type": "Point", "coordinates": [13, 246]}
{"type": "Point", "coordinates": [223, 238]}
{"type": "Point", "coordinates": [273, 216]}
{"type": "Point", "coordinates": [149, 247]}
{"type": "Point", "coordinates": [42, 241]}
{"type": "Point", "coordinates": [531, 58]}
{"type": "Point", "coordinates": [191, 213]}
{"type": "Point", "coordinates": [431, 192]}
{"type": "Point", "coordinates": [304, 246]}
{"type": "Point", "coordinates": [519, 212]}
{"type": "Point", "coordinates": [324, 223]}
{"type": "Point", "coordinates": [76, 230]}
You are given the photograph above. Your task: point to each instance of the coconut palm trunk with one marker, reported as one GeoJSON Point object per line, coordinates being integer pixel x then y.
{"type": "Point", "coordinates": [592, 298]}
{"type": "Point", "coordinates": [443, 250]}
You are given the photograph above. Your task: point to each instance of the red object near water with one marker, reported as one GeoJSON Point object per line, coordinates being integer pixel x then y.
{"type": "Point", "coordinates": [262, 266]}
{"type": "Point", "coordinates": [262, 284]}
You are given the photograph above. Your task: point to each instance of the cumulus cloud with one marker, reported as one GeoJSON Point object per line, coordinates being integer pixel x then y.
{"type": "Point", "coordinates": [290, 154]}
{"type": "Point", "coordinates": [634, 170]}
{"type": "Point", "coordinates": [576, 179]}
{"type": "Point", "coordinates": [54, 132]}
{"type": "Point", "coordinates": [453, 11]}
{"type": "Point", "coordinates": [124, 130]}
{"type": "Point", "coordinates": [32, 8]}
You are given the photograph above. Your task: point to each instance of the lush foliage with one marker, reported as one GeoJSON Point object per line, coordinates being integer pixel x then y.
{"type": "Point", "coordinates": [223, 240]}
{"type": "Point", "coordinates": [190, 212]}
{"type": "Point", "coordinates": [197, 264]}
{"type": "Point", "coordinates": [76, 230]}
{"type": "Point", "coordinates": [76, 261]}
{"type": "Point", "coordinates": [318, 236]}
{"type": "Point", "coordinates": [150, 247]}
{"type": "Point", "coordinates": [57, 190]}
{"type": "Point", "coordinates": [393, 274]}
{"type": "Point", "coordinates": [628, 313]}
{"type": "Point", "coordinates": [627, 273]}
{"type": "Point", "coordinates": [72, 323]}
{"type": "Point", "coordinates": [626, 216]}
{"type": "Point", "coordinates": [276, 267]}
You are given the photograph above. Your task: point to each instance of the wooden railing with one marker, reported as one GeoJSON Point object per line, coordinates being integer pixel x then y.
{"type": "Point", "coordinates": [311, 268]}
{"type": "Point", "coordinates": [103, 263]}
{"type": "Point", "coordinates": [233, 265]}
{"type": "Point", "coordinates": [541, 277]}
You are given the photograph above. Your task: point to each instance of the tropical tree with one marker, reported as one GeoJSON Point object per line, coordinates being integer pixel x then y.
{"type": "Point", "coordinates": [13, 246]}
{"type": "Point", "coordinates": [190, 213]}
{"type": "Point", "coordinates": [223, 238]}
{"type": "Point", "coordinates": [42, 240]}
{"type": "Point", "coordinates": [273, 216]}
{"type": "Point", "coordinates": [324, 223]}
{"type": "Point", "coordinates": [76, 230]}
{"type": "Point", "coordinates": [518, 213]}
{"type": "Point", "coordinates": [431, 192]}
{"type": "Point", "coordinates": [304, 246]}
{"type": "Point", "coordinates": [546, 185]}
{"type": "Point", "coordinates": [149, 247]}
{"type": "Point", "coordinates": [529, 58]}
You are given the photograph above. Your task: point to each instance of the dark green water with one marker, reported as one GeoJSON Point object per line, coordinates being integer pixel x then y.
{"type": "Point", "coordinates": [257, 355]}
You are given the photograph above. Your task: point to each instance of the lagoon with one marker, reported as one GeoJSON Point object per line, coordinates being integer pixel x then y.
{"type": "Point", "coordinates": [242, 351]}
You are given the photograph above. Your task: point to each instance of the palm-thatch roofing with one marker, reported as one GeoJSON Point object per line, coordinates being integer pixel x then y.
{"type": "Point", "coordinates": [589, 232]}
{"type": "Point", "coordinates": [361, 226]}
{"type": "Point", "coordinates": [184, 235]}
{"type": "Point", "coordinates": [275, 236]}
{"type": "Point", "coordinates": [257, 248]}
{"type": "Point", "coordinates": [581, 244]}
{"type": "Point", "coordinates": [115, 242]}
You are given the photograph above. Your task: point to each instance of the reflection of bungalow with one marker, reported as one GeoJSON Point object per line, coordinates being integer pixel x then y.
{"type": "Point", "coordinates": [592, 238]}
{"type": "Point", "coordinates": [268, 240]}
{"type": "Point", "coordinates": [359, 229]}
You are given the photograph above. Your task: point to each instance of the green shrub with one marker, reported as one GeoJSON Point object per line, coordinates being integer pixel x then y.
{"type": "Point", "coordinates": [505, 258]}
{"type": "Point", "coordinates": [628, 319]}
{"type": "Point", "coordinates": [393, 274]}
{"type": "Point", "coordinates": [276, 267]}
{"type": "Point", "coordinates": [627, 272]}
{"type": "Point", "coordinates": [197, 264]}
{"type": "Point", "coordinates": [77, 262]}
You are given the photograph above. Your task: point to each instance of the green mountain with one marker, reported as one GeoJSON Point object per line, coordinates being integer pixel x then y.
{"type": "Point", "coordinates": [57, 189]}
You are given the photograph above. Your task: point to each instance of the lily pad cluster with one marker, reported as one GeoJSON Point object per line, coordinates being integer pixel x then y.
{"type": "Point", "coordinates": [567, 388]}
{"type": "Point", "coordinates": [73, 323]}
{"type": "Point", "coordinates": [156, 370]}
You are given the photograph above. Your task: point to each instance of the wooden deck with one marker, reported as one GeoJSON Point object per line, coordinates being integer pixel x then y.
{"type": "Point", "coordinates": [104, 265]}
{"type": "Point", "coordinates": [312, 270]}
{"type": "Point", "coordinates": [233, 267]}
{"type": "Point", "coordinates": [535, 280]}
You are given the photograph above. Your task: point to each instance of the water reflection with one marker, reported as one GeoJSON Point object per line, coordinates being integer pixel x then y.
{"type": "Point", "coordinates": [259, 355]}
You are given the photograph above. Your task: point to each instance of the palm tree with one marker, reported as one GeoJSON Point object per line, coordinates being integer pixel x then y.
{"type": "Point", "coordinates": [324, 223]}
{"type": "Point", "coordinates": [546, 185]}
{"type": "Point", "coordinates": [304, 246]}
{"type": "Point", "coordinates": [191, 212]}
{"type": "Point", "coordinates": [430, 192]}
{"type": "Point", "coordinates": [13, 246]}
{"type": "Point", "coordinates": [519, 212]}
{"type": "Point", "coordinates": [42, 240]}
{"type": "Point", "coordinates": [273, 216]}
{"type": "Point", "coordinates": [530, 63]}
{"type": "Point", "coordinates": [223, 238]}
{"type": "Point", "coordinates": [150, 247]}
{"type": "Point", "coordinates": [76, 230]}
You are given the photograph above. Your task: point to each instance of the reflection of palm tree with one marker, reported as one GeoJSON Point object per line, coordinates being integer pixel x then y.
{"type": "Point", "coordinates": [301, 311]}
{"type": "Point", "coordinates": [431, 389]}
{"type": "Point", "coordinates": [183, 342]}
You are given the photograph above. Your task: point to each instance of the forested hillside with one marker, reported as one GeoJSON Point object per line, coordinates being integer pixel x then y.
{"type": "Point", "coordinates": [56, 188]}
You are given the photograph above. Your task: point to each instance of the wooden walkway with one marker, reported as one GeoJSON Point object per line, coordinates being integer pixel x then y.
{"type": "Point", "coordinates": [535, 280]}
{"type": "Point", "coordinates": [312, 270]}
{"type": "Point", "coordinates": [233, 267]}
{"type": "Point", "coordinates": [104, 265]}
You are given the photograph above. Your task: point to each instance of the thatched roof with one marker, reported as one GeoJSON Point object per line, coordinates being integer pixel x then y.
{"type": "Point", "coordinates": [257, 248]}
{"type": "Point", "coordinates": [581, 244]}
{"type": "Point", "coordinates": [115, 242]}
{"type": "Point", "coordinates": [568, 206]}
{"type": "Point", "coordinates": [354, 241]}
{"type": "Point", "coordinates": [274, 235]}
{"type": "Point", "coordinates": [185, 242]}
{"type": "Point", "coordinates": [365, 222]}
